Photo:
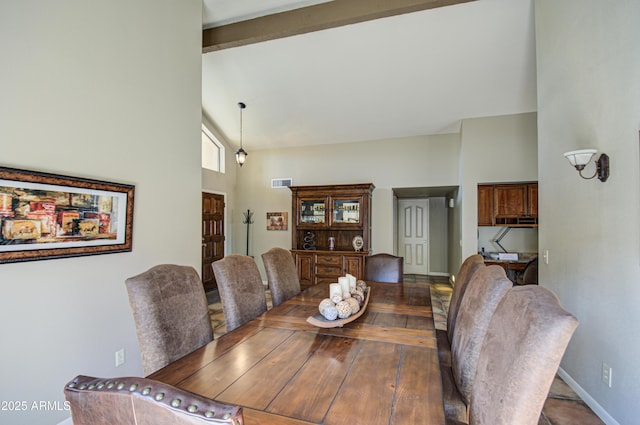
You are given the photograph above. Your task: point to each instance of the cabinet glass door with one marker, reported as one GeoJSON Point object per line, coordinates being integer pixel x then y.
{"type": "Point", "coordinates": [346, 211]}
{"type": "Point", "coordinates": [312, 211]}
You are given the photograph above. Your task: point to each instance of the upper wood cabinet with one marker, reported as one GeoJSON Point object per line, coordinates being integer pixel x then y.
{"type": "Point", "coordinates": [532, 199]}
{"type": "Point", "coordinates": [509, 200]}
{"type": "Point", "coordinates": [485, 205]}
{"type": "Point", "coordinates": [508, 204]}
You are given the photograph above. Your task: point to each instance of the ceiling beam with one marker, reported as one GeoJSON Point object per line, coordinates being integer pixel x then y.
{"type": "Point", "coordinates": [318, 17]}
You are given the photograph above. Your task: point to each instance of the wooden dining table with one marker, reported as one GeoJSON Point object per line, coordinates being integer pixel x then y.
{"type": "Point", "coordinates": [381, 368]}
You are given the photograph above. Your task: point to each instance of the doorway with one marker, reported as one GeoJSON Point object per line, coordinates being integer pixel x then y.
{"type": "Point", "coordinates": [413, 235]}
{"type": "Point", "coordinates": [426, 230]}
{"type": "Point", "coordinates": [212, 236]}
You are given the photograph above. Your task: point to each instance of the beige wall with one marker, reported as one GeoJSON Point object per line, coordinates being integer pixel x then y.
{"type": "Point", "coordinates": [493, 150]}
{"type": "Point", "coordinates": [408, 162]}
{"type": "Point", "coordinates": [589, 96]}
{"type": "Point", "coordinates": [110, 91]}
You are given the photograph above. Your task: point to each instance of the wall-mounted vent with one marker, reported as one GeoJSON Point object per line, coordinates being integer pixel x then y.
{"type": "Point", "coordinates": [281, 183]}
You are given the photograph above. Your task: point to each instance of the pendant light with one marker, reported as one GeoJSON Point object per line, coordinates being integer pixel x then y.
{"type": "Point", "coordinates": [241, 154]}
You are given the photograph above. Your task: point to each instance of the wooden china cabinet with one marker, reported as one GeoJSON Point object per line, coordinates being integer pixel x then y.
{"type": "Point", "coordinates": [325, 222]}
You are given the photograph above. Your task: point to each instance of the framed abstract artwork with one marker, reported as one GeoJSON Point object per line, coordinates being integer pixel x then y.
{"type": "Point", "coordinates": [46, 216]}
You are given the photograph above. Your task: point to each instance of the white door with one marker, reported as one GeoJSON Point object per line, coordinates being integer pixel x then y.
{"type": "Point", "coordinates": [413, 235]}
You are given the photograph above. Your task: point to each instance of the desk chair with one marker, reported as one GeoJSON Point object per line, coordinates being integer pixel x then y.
{"type": "Point", "coordinates": [241, 290]}
{"type": "Point", "coordinates": [282, 275]}
{"type": "Point", "coordinates": [171, 314]}
{"type": "Point", "coordinates": [141, 401]}
{"type": "Point", "coordinates": [383, 268]}
{"type": "Point", "coordinates": [530, 273]}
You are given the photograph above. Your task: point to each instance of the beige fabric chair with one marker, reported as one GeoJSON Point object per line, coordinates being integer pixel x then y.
{"type": "Point", "coordinates": [241, 290]}
{"type": "Point", "coordinates": [444, 337]}
{"type": "Point", "coordinates": [171, 314]}
{"type": "Point", "coordinates": [485, 290]}
{"type": "Point", "coordinates": [520, 354]}
{"type": "Point", "coordinates": [383, 268]}
{"type": "Point", "coordinates": [140, 401]}
{"type": "Point", "coordinates": [282, 275]}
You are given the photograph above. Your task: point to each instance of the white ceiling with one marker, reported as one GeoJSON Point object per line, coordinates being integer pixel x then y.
{"type": "Point", "coordinates": [407, 75]}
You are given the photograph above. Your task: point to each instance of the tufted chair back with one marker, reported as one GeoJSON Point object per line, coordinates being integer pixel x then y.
{"type": "Point", "coordinates": [281, 274]}
{"type": "Point", "coordinates": [241, 289]}
{"type": "Point", "coordinates": [524, 344]}
{"type": "Point", "coordinates": [383, 268]}
{"type": "Point", "coordinates": [140, 401]}
{"type": "Point", "coordinates": [171, 314]}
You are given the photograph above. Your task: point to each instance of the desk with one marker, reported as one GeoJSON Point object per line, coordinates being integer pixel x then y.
{"type": "Point", "coordinates": [380, 369]}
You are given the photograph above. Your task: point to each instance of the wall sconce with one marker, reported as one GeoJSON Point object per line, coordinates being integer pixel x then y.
{"type": "Point", "coordinates": [581, 158]}
{"type": "Point", "coordinates": [241, 154]}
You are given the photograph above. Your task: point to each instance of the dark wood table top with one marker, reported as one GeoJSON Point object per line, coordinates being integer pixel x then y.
{"type": "Point", "coordinates": [380, 369]}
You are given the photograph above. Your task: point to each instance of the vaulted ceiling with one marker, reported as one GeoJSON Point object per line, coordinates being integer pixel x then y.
{"type": "Point", "coordinates": [402, 75]}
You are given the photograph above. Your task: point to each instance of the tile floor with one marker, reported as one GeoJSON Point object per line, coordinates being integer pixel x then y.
{"type": "Point", "coordinates": [563, 406]}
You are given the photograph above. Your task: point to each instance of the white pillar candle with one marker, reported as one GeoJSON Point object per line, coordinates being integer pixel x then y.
{"type": "Point", "coordinates": [344, 283]}
{"type": "Point", "coordinates": [335, 289]}
{"type": "Point", "coordinates": [352, 281]}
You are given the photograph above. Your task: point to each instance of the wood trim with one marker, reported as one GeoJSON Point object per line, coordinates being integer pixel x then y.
{"type": "Point", "coordinates": [318, 17]}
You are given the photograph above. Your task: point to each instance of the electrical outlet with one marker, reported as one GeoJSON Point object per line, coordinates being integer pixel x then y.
{"type": "Point", "coordinates": [606, 374]}
{"type": "Point", "coordinates": [120, 357]}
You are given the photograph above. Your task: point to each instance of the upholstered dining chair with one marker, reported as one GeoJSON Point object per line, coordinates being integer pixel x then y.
{"type": "Point", "coordinates": [519, 357]}
{"type": "Point", "coordinates": [241, 290]}
{"type": "Point", "coordinates": [444, 337]}
{"type": "Point", "coordinates": [383, 268]}
{"type": "Point", "coordinates": [141, 401]}
{"type": "Point", "coordinates": [170, 312]}
{"type": "Point", "coordinates": [485, 290]}
{"type": "Point", "coordinates": [282, 275]}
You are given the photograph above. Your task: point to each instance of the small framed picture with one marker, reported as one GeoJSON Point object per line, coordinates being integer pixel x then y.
{"type": "Point", "coordinates": [277, 220]}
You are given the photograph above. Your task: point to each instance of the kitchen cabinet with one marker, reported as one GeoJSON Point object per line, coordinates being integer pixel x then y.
{"type": "Point", "coordinates": [532, 200]}
{"type": "Point", "coordinates": [326, 219]}
{"type": "Point", "coordinates": [485, 205]}
{"type": "Point", "coordinates": [509, 200]}
{"type": "Point", "coordinates": [508, 204]}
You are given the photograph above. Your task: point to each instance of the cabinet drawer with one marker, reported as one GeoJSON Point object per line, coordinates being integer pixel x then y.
{"type": "Point", "coordinates": [326, 270]}
{"type": "Point", "coordinates": [332, 260]}
{"type": "Point", "coordinates": [326, 279]}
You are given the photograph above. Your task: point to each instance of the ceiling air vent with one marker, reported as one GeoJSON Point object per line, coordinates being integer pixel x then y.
{"type": "Point", "coordinates": [281, 183]}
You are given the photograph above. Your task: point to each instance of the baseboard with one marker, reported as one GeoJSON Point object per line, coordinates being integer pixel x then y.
{"type": "Point", "coordinates": [438, 274]}
{"type": "Point", "coordinates": [594, 405]}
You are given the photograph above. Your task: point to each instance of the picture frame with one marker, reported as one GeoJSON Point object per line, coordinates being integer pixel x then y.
{"type": "Point", "coordinates": [48, 216]}
{"type": "Point", "coordinates": [277, 221]}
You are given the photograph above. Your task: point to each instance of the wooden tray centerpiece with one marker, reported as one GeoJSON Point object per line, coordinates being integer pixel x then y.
{"type": "Point", "coordinates": [328, 319]}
